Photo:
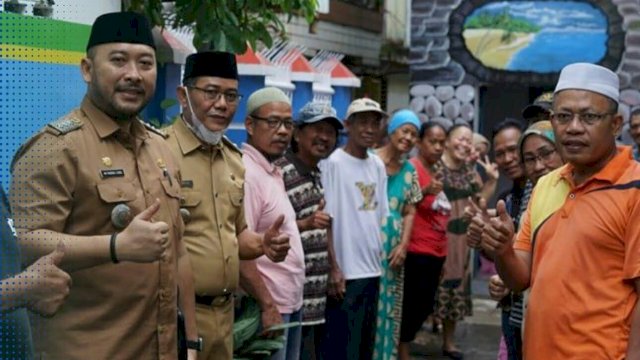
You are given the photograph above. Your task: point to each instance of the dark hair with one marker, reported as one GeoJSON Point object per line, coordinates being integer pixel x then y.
{"type": "Point", "coordinates": [634, 112]}
{"type": "Point", "coordinates": [505, 124]}
{"type": "Point", "coordinates": [456, 127]}
{"type": "Point", "coordinates": [426, 126]}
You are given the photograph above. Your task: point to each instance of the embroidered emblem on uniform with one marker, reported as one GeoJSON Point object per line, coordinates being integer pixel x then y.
{"type": "Point", "coordinates": [65, 125]}
{"type": "Point", "coordinates": [368, 192]}
{"type": "Point", "coordinates": [106, 161]}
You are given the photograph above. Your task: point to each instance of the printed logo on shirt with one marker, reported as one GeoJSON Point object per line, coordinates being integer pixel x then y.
{"type": "Point", "coordinates": [10, 223]}
{"type": "Point", "coordinates": [368, 192]}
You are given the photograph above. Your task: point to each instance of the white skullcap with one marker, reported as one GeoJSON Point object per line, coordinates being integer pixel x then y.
{"type": "Point", "coordinates": [590, 77]}
{"type": "Point", "coordinates": [265, 96]}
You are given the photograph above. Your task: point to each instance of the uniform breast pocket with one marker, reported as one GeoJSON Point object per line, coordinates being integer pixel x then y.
{"type": "Point", "coordinates": [171, 187]}
{"type": "Point", "coordinates": [116, 192]}
{"type": "Point", "coordinates": [236, 198]}
{"type": "Point", "coordinates": [190, 199]}
{"type": "Point", "coordinates": [118, 198]}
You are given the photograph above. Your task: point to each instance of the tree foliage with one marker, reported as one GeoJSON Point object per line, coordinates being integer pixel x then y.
{"type": "Point", "coordinates": [227, 25]}
{"type": "Point", "coordinates": [502, 21]}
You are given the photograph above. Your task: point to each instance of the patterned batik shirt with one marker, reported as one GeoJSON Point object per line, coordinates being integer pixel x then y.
{"type": "Point", "coordinates": [305, 192]}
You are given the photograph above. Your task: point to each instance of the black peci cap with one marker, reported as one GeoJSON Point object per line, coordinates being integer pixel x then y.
{"type": "Point", "coordinates": [211, 63]}
{"type": "Point", "coordinates": [121, 27]}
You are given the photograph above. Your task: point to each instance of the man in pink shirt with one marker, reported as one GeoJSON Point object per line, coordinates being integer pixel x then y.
{"type": "Point", "coordinates": [277, 286]}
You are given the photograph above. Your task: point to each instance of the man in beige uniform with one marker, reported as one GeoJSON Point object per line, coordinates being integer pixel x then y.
{"type": "Point", "coordinates": [216, 233]}
{"type": "Point", "coordinates": [108, 187]}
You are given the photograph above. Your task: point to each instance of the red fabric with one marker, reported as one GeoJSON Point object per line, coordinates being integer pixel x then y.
{"type": "Point", "coordinates": [428, 235]}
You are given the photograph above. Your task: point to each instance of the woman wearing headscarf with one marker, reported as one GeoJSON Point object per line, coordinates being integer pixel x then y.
{"type": "Point", "coordinates": [404, 192]}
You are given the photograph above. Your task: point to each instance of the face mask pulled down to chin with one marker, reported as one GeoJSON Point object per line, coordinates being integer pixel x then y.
{"type": "Point", "coordinates": [201, 131]}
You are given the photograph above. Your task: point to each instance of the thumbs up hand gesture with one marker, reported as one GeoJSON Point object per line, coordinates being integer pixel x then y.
{"type": "Point", "coordinates": [478, 215]}
{"type": "Point", "coordinates": [144, 240]}
{"type": "Point", "coordinates": [47, 285]}
{"type": "Point", "coordinates": [497, 236]}
{"type": "Point", "coordinates": [274, 244]}
{"type": "Point", "coordinates": [318, 220]}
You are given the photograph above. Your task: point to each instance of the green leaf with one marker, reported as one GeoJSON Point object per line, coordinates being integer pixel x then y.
{"type": "Point", "coordinates": [270, 346]}
{"type": "Point", "coordinates": [167, 103]}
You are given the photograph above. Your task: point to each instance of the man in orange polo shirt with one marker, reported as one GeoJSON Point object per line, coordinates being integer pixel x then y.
{"type": "Point", "coordinates": [579, 247]}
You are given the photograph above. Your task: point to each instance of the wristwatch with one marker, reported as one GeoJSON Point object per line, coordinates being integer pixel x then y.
{"type": "Point", "coordinates": [195, 344]}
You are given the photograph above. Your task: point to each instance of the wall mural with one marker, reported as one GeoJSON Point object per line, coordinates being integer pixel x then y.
{"type": "Point", "coordinates": [445, 59]}
{"type": "Point", "coordinates": [537, 36]}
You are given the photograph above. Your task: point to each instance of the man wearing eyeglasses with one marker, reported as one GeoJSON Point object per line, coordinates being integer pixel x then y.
{"type": "Point", "coordinates": [277, 287]}
{"type": "Point", "coordinates": [579, 246]}
{"type": "Point", "coordinates": [216, 233]}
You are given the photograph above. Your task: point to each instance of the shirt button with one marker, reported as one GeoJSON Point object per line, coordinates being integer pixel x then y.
{"type": "Point", "coordinates": [225, 291]}
{"type": "Point", "coordinates": [160, 328]}
{"type": "Point", "coordinates": [228, 259]}
{"type": "Point", "coordinates": [215, 195]}
{"type": "Point", "coordinates": [572, 196]}
{"type": "Point", "coordinates": [219, 226]}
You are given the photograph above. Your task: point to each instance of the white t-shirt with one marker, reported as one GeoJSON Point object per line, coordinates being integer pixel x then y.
{"type": "Point", "coordinates": [355, 193]}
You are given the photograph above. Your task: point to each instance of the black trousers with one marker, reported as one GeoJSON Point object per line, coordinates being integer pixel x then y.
{"type": "Point", "coordinates": [351, 322]}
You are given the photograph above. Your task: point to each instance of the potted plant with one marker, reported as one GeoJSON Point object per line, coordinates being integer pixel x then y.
{"type": "Point", "coordinates": [14, 6]}
{"type": "Point", "coordinates": [43, 8]}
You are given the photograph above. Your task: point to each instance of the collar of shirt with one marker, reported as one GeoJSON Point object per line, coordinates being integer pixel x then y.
{"type": "Point", "coordinates": [302, 168]}
{"type": "Point", "coordinates": [105, 125]}
{"type": "Point", "coordinates": [610, 173]}
{"type": "Point", "coordinates": [257, 158]}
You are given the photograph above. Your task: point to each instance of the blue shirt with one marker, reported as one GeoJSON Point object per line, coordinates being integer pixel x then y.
{"type": "Point", "coordinates": [15, 332]}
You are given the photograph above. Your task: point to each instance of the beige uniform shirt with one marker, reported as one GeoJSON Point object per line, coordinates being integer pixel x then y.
{"type": "Point", "coordinates": [212, 187]}
{"type": "Point", "coordinates": [69, 181]}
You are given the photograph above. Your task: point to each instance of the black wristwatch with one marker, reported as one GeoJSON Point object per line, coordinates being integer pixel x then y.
{"type": "Point", "coordinates": [195, 344]}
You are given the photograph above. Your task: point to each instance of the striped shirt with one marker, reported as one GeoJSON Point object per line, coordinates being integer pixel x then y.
{"type": "Point", "coordinates": [305, 192]}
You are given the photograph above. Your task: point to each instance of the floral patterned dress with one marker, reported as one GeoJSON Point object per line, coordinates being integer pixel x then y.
{"type": "Point", "coordinates": [402, 188]}
{"type": "Point", "coordinates": [453, 300]}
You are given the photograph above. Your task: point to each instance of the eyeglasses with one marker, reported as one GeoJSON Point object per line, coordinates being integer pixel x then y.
{"type": "Point", "coordinates": [215, 94]}
{"type": "Point", "coordinates": [275, 123]}
{"type": "Point", "coordinates": [544, 155]}
{"type": "Point", "coordinates": [585, 118]}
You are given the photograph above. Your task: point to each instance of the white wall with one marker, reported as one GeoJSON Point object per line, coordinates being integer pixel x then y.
{"type": "Point", "coordinates": [397, 91]}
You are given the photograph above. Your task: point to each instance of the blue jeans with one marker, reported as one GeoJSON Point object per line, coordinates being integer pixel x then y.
{"type": "Point", "coordinates": [292, 338]}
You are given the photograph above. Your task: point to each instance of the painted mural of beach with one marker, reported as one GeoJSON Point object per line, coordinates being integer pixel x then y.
{"type": "Point", "coordinates": [538, 36]}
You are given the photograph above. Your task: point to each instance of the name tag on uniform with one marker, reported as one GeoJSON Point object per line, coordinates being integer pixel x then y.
{"type": "Point", "coordinates": [187, 184]}
{"type": "Point", "coordinates": [111, 173]}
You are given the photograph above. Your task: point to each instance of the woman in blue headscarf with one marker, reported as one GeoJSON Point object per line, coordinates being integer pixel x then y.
{"type": "Point", "coordinates": [404, 193]}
